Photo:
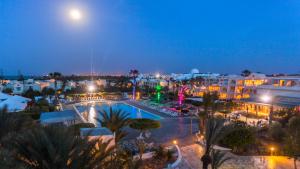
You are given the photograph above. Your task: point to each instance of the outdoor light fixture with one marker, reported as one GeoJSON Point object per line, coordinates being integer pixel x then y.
{"type": "Point", "coordinates": [157, 75]}
{"type": "Point", "coordinates": [272, 149]}
{"type": "Point", "coordinates": [91, 88]}
{"type": "Point", "coordinates": [175, 142]}
{"type": "Point", "coordinates": [266, 98]}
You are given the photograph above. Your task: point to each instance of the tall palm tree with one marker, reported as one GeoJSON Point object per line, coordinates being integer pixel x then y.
{"type": "Point", "coordinates": [134, 74]}
{"type": "Point", "coordinates": [55, 76]}
{"type": "Point", "coordinates": [10, 123]}
{"type": "Point", "coordinates": [218, 159]}
{"type": "Point", "coordinates": [214, 132]}
{"type": "Point", "coordinates": [245, 73]}
{"type": "Point", "coordinates": [209, 107]}
{"type": "Point", "coordinates": [57, 148]}
{"type": "Point", "coordinates": [115, 121]}
{"type": "Point", "coordinates": [202, 115]}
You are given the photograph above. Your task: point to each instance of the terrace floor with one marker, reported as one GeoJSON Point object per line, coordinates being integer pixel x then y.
{"type": "Point", "coordinates": [181, 129]}
{"type": "Point", "coordinates": [192, 155]}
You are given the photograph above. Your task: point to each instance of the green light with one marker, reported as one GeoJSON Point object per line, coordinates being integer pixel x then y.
{"type": "Point", "coordinates": [158, 89]}
{"type": "Point", "coordinates": [158, 97]}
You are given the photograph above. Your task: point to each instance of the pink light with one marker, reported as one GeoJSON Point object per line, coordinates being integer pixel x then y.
{"type": "Point", "coordinates": [181, 95]}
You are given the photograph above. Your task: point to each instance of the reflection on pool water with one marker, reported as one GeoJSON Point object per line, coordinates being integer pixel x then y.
{"type": "Point", "coordinates": [132, 111]}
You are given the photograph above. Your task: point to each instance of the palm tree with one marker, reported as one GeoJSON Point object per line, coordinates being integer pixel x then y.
{"type": "Point", "coordinates": [10, 123]}
{"type": "Point", "coordinates": [202, 115]}
{"type": "Point", "coordinates": [123, 158]}
{"type": "Point", "coordinates": [144, 124]}
{"type": "Point", "coordinates": [214, 132]}
{"type": "Point", "coordinates": [210, 106]}
{"type": "Point", "coordinates": [115, 121]}
{"type": "Point", "coordinates": [218, 159]}
{"type": "Point", "coordinates": [57, 148]}
{"type": "Point", "coordinates": [292, 142]}
{"type": "Point", "coordinates": [134, 74]}
{"type": "Point", "coordinates": [245, 73]}
{"type": "Point", "coordinates": [55, 76]}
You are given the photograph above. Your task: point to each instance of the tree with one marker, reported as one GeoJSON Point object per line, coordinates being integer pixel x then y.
{"type": "Point", "coordinates": [56, 147]}
{"type": "Point", "coordinates": [218, 159]}
{"type": "Point", "coordinates": [214, 132]}
{"type": "Point", "coordinates": [7, 91]}
{"type": "Point", "coordinates": [238, 138]}
{"type": "Point", "coordinates": [30, 93]}
{"type": "Point", "coordinates": [10, 125]}
{"type": "Point", "coordinates": [144, 124]}
{"type": "Point", "coordinates": [202, 115]}
{"type": "Point", "coordinates": [284, 115]}
{"type": "Point", "coordinates": [209, 105]}
{"type": "Point", "coordinates": [55, 76]}
{"type": "Point", "coordinates": [141, 145]}
{"type": "Point", "coordinates": [245, 73]}
{"type": "Point", "coordinates": [48, 91]}
{"type": "Point", "coordinates": [292, 142]}
{"type": "Point", "coordinates": [276, 131]}
{"type": "Point", "coordinates": [115, 121]}
{"type": "Point", "coordinates": [134, 74]}
{"type": "Point", "coordinates": [227, 107]}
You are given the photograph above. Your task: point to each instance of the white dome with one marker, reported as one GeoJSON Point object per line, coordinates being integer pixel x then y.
{"type": "Point", "coordinates": [195, 71]}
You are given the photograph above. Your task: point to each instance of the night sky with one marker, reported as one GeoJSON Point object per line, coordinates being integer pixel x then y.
{"type": "Point", "coordinates": [37, 36]}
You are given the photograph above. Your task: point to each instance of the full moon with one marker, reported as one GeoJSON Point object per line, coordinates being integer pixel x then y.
{"type": "Point", "coordinates": [75, 14]}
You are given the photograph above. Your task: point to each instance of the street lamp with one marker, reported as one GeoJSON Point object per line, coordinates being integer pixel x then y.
{"type": "Point", "coordinates": [157, 75]}
{"type": "Point", "coordinates": [268, 99]}
{"type": "Point", "coordinates": [175, 142]}
{"type": "Point", "coordinates": [272, 149]}
{"type": "Point", "coordinates": [91, 88]}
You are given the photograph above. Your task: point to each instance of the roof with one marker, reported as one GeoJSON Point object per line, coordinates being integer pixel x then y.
{"type": "Point", "coordinates": [56, 117]}
{"type": "Point", "coordinates": [4, 96]}
{"type": "Point", "coordinates": [196, 99]}
{"type": "Point", "coordinates": [282, 101]}
{"type": "Point", "coordinates": [100, 131]}
{"type": "Point", "coordinates": [14, 103]}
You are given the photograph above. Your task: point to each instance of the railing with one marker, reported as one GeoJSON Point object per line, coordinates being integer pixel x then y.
{"type": "Point", "coordinates": [79, 114]}
{"type": "Point", "coordinates": [178, 160]}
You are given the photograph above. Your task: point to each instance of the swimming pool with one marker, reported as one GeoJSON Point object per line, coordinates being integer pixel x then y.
{"type": "Point", "coordinates": [132, 111]}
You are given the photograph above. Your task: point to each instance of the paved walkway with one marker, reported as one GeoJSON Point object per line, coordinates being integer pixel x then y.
{"type": "Point", "coordinates": [193, 153]}
{"type": "Point", "coordinates": [181, 129]}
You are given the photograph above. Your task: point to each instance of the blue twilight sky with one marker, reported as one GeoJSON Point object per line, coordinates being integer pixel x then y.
{"type": "Point", "coordinates": [37, 36]}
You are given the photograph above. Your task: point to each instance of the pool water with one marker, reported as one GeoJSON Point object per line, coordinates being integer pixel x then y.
{"type": "Point", "coordinates": [133, 112]}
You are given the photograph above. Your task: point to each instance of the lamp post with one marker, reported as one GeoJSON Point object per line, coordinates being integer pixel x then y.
{"type": "Point", "coordinates": [268, 99]}
{"type": "Point", "coordinates": [272, 149]}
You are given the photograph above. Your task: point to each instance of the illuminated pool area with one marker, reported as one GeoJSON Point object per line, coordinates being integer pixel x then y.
{"type": "Point", "coordinates": [90, 111]}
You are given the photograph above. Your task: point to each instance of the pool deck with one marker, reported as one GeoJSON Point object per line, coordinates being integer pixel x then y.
{"type": "Point", "coordinates": [150, 110]}
{"type": "Point", "coordinates": [181, 129]}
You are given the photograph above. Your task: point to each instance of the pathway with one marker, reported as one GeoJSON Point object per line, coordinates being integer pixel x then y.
{"type": "Point", "coordinates": [193, 153]}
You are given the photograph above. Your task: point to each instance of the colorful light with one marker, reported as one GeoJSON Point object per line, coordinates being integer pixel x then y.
{"type": "Point", "coordinates": [181, 95]}
{"type": "Point", "coordinates": [158, 94]}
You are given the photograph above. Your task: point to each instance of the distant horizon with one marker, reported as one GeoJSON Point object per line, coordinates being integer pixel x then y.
{"type": "Point", "coordinates": [122, 74]}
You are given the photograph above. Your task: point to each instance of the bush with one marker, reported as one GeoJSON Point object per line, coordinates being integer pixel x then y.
{"type": "Point", "coordinates": [238, 139]}
{"type": "Point", "coordinates": [276, 132]}
{"type": "Point", "coordinates": [161, 153]}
